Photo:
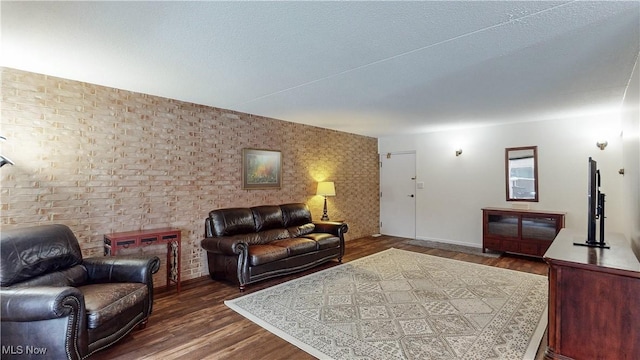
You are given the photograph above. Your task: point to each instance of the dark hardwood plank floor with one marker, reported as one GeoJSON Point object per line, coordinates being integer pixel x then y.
{"type": "Point", "coordinates": [196, 324]}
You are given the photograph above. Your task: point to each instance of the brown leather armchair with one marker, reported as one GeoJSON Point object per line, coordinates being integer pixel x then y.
{"type": "Point", "coordinates": [57, 305]}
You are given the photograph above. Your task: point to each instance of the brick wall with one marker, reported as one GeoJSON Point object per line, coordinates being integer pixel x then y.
{"type": "Point", "coordinates": [103, 160]}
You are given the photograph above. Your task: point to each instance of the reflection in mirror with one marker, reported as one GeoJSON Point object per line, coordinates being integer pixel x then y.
{"type": "Point", "coordinates": [521, 173]}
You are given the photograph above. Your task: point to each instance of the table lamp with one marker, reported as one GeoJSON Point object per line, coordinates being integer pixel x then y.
{"type": "Point", "coordinates": [326, 188]}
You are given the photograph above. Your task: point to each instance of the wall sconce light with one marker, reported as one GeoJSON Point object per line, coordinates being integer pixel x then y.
{"type": "Point", "coordinates": [458, 152]}
{"type": "Point", "coordinates": [602, 144]}
{"type": "Point", "coordinates": [4, 160]}
{"type": "Point", "coordinates": [326, 188]}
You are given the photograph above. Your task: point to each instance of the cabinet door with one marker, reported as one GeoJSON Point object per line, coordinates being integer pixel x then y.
{"type": "Point", "coordinates": [536, 227]}
{"type": "Point", "coordinates": [502, 225]}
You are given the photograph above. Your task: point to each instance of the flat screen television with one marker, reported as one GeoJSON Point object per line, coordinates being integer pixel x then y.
{"type": "Point", "coordinates": [595, 210]}
{"type": "Point", "coordinates": [592, 200]}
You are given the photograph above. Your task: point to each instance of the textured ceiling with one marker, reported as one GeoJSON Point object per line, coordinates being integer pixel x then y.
{"type": "Point", "coordinates": [371, 68]}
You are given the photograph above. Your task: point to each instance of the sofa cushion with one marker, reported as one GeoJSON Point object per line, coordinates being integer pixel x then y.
{"type": "Point", "coordinates": [105, 301]}
{"type": "Point", "coordinates": [36, 250]}
{"type": "Point", "coordinates": [324, 240]}
{"type": "Point", "coordinates": [232, 221]}
{"type": "Point", "coordinates": [267, 217]}
{"type": "Point", "coordinates": [262, 254]}
{"type": "Point", "coordinates": [267, 236]}
{"type": "Point", "coordinates": [297, 246]}
{"type": "Point", "coordinates": [295, 214]}
{"type": "Point", "coordinates": [296, 231]}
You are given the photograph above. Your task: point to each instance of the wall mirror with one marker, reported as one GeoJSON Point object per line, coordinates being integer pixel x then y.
{"type": "Point", "coordinates": [521, 173]}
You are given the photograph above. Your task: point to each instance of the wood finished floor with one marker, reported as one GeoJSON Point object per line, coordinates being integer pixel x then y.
{"type": "Point", "coordinates": [196, 324]}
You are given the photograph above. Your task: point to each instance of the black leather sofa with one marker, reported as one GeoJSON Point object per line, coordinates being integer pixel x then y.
{"type": "Point", "coordinates": [245, 245]}
{"type": "Point", "coordinates": [57, 305]}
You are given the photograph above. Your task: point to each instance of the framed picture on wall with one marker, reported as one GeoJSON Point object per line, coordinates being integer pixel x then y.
{"type": "Point", "coordinates": [261, 169]}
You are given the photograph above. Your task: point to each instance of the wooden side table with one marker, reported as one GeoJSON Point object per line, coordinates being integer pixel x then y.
{"type": "Point", "coordinates": [131, 239]}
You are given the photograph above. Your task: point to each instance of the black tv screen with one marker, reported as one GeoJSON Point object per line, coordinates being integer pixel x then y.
{"type": "Point", "coordinates": [592, 200]}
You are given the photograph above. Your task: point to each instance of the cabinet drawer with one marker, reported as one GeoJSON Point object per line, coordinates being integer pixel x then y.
{"type": "Point", "coordinates": [529, 249]}
{"type": "Point", "coordinates": [125, 243]}
{"type": "Point", "coordinates": [512, 246]}
{"type": "Point", "coordinates": [489, 243]}
{"type": "Point", "coordinates": [170, 237]}
{"type": "Point", "coordinates": [149, 240]}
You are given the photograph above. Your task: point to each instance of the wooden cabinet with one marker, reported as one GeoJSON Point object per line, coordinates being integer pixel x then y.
{"type": "Point", "coordinates": [593, 299]}
{"type": "Point", "coordinates": [527, 232]}
{"type": "Point", "coordinates": [131, 239]}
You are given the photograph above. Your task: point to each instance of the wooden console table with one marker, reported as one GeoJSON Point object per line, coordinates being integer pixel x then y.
{"type": "Point", "coordinates": [528, 232]}
{"type": "Point", "coordinates": [593, 299]}
{"type": "Point", "coordinates": [130, 239]}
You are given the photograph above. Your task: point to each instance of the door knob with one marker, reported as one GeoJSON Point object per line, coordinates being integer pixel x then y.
{"type": "Point", "coordinates": [411, 195]}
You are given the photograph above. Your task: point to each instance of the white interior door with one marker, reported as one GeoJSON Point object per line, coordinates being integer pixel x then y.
{"type": "Point", "coordinates": [398, 194]}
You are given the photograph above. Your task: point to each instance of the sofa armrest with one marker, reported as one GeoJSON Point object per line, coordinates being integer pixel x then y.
{"type": "Point", "coordinates": [227, 245]}
{"type": "Point", "coordinates": [128, 268]}
{"type": "Point", "coordinates": [332, 227]}
{"type": "Point", "coordinates": [40, 303]}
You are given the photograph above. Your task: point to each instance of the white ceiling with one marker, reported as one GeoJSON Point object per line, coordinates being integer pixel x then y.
{"type": "Point", "coordinates": [370, 68]}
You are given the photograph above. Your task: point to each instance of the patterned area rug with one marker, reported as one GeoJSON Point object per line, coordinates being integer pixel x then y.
{"type": "Point", "coordinates": [398, 304]}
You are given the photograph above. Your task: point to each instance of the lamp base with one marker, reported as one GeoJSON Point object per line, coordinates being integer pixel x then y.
{"type": "Point", "coordinates": [325, 216]}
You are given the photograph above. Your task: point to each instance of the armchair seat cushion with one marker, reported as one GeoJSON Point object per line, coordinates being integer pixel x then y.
{"type": "Point", "coordinates": [262, 254]}
{"type": "Point", "coordinates": [297, 246]}
{"type": "Point", "coordinates": [103, 302]}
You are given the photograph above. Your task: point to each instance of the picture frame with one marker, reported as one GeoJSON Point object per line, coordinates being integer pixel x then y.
{"type": "Point", "coordinates": [261, 169]}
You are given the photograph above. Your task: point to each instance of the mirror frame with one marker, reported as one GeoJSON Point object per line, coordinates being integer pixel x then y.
{"type": "Point", "coordinates": [535, 171]}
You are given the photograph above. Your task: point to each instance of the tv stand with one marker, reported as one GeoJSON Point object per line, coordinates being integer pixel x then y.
{"type": "Point", "coordinates": [593, 299]}
{"type": "Point", "coordinates": [527, 232]}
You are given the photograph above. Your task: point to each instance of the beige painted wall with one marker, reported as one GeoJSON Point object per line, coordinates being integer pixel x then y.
{"type": "Point", "coordinates": [631, 158]}
{"type": "Point", "coordinates": [476, 179]}
{"type": "Point", "coordinates": [103, 160]}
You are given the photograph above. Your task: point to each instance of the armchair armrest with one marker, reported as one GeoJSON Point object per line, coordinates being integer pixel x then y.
{"type": "Point", "coordinates": [40, 303]}
{"type": "Point", "coordinates": [332, 227]}
{"type": "Point", "coordinates": [47, 317]}
{"type": "Point", "coordinates": [129, 268]}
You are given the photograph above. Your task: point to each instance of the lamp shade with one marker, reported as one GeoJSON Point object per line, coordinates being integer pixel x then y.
{"type": "Point", "coordinates": [326, 188]}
